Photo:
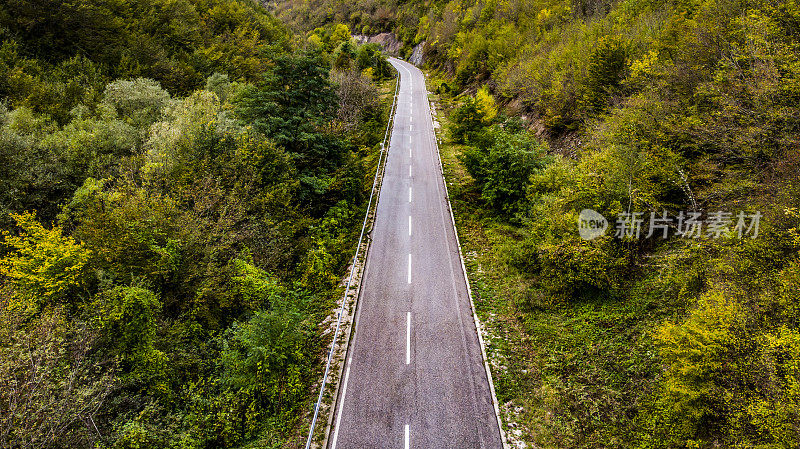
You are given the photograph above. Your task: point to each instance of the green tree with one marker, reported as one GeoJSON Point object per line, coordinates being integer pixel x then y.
{"type": "Point", "coordinates": [292, 107]}
{"type": "Point", "coordinates": [344, 55]}
{"type": "Point", "coordinates": [128, 319]}
{"type": "Point", "coordinates": [265, 356]}
{"type": "Point", "coordinates": [370, 56]}
{"type": "Point", "coordinates": [138, 102]}
{"type": "Point", "coordinates": [605, 71]}
{"type": "Point", "coordinates": [339, 35]}
{"type": "Point", "coordinates": [44, 266]}
{"type": "Point", "coordinates": [220, 84]}
{"type": "Point", "coordinates": [468, 121]}
{"type": "Point", "coordinates": [502, 168]}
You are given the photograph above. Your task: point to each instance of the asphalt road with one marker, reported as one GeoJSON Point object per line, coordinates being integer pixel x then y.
{"type": "Point", "coordinates": [414, 375]}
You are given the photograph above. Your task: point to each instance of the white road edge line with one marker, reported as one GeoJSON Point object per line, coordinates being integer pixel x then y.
{"type": "Point", "coordinates": [408, 338]}
{"type": "Point", "coordinates": [409, 268]}
{"type": "Point", "coordinates": [407, 436]}
{"type": "Point", "coordinates": [341, 404]}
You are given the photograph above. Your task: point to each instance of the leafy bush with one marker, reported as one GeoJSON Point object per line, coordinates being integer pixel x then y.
{"type": "Point", "coordinates": [502, 167]}
{"type": "Point", "coordinates": [138, 102]}
{"type": "Point", "coordinates": [128, 319]}
{"type": "Point", "coordinates": [695, 352]}
{"type": "Point", "coordinates": [266, 356]}
{"type": "Point", "coordinates": [44, 266]}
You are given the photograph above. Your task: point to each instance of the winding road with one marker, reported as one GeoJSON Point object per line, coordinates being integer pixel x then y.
{"type": "Point", "coordinates": [414, 373]}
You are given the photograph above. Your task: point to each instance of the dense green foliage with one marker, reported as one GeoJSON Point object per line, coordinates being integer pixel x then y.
{"type": "Point", "coordinates": [56, 55]}
{"type": "Point", "coordinates": [178, 201]}
{"type": "Point", "coordinates": [178, 188]}
{"type": "Point", "coordinates": [501, 164]}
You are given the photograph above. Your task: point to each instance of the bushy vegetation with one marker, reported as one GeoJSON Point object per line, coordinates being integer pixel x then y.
{"type": "Point", "coordinates": [178, 201]}
{"type": "Point", "coordinates": [501, 163]}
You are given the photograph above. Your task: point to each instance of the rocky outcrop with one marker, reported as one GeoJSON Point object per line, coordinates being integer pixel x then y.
{"type": "Point", "coordinates": [388, 41]}
{"type": "Point", "coordinates": [418, 55]}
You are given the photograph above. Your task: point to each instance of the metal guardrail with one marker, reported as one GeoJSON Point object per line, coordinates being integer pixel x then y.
{"type": "Point", "coordinates": [384, 149]}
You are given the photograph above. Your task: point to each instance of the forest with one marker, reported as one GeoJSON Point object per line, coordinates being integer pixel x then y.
{"type": "Point", "coordinates": [556, 106]}
{"type": "Point", "coordinates": [182, 186]}
{"type": "Point", "coordinates": [182, 182]}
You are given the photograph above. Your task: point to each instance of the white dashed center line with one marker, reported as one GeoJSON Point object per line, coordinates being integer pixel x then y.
{"type": "Point", "coordinates": [409, 268]}
{"type": "Point", "coordinates": [408, 338]}
{"type": "Point", "coordinates": [407, 437]}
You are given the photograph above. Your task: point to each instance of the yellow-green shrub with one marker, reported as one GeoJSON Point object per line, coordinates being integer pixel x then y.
{"type": "Point", "coordinates": [43, 265]}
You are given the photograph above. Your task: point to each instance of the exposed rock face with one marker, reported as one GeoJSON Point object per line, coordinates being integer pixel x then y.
{"type": "Point", "coordinates": [388, 41]}
{"type": "Point", "coordinates": [418, 55]}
